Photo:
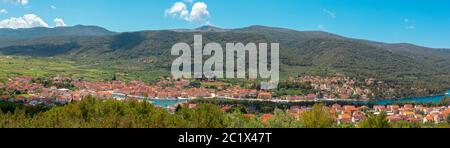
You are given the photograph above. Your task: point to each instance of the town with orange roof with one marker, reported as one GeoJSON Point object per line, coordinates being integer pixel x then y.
{"type": "Point", "coordinates": [29, 91]}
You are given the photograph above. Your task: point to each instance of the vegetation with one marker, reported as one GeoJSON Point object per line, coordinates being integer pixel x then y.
{"type": "Point", "coordinates": [448, 119]}
{"type": "Point", "coordinates": [269, 107]}
{"type": "Point", "coordinates": [146, 55]}
{"type": "Point", "coordinates": [375, 121]}
{"type": "Point", "coordinates": [94, 113]}
{"type": "Point", "coordinates": [9, 107]}
{"type": "Point", "coordinates": [67, 84]}
{"type": "Point", "coordinates": [318, 117]}
{"type": "Point", "coordinates": [12, 66]}
{"type": "Point", "coordinates": [292, 88]}
{"type": "Point", "coordinates": [405, 124]}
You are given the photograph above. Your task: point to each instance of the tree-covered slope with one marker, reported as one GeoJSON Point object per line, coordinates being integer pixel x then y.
{"type": "Point", "coordinates": [301, 52]}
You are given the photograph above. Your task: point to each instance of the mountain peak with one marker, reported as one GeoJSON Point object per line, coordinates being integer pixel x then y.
{"type": "Point", "coordinates": [209, 28]}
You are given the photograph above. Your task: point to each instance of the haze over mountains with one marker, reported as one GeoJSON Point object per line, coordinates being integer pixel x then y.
{"type": "Point", "coordinates": [301, 52]}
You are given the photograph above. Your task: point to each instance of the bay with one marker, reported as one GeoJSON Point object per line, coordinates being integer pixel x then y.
{"type": "Point", "coordinates": [429, 99]}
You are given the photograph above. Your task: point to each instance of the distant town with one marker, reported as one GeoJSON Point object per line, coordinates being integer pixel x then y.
{"type": "Point", "coordinates": [62, 90]}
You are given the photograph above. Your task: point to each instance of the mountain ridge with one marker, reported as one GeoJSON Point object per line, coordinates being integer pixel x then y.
{"type": "Point", "coordinates": [39, 32]}
{"type": "Point", "coordinates": [5, 33]}
{"type": "Point", "coordinates": [301, 52]}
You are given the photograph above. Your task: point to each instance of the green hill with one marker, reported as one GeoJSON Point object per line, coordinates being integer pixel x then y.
{"type": "Point", "coordinates": [146, 54]}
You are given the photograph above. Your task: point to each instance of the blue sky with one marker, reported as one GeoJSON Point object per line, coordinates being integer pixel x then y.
{"type": "Point", "coordinates": [422, 22]}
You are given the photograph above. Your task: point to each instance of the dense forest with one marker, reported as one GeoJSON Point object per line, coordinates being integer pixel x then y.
{"type": "Point", "coordinates": [94, 113]}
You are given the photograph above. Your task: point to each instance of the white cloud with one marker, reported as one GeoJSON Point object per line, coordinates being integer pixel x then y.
{"type": "Point", "coordinates": [22, 2]}
{"type": "Point", "coordinates": [198, 13]}
{"type": "Point", "coordinates": [53, 7]}
{"type": "Point", "coordinates": [59, 22]}
{"type": "Point", "coordinates": [26, 21]}
{"type": "Point", "coordinates": [330, 13]}
{"type": "Point", "coordinates": [3, 11]}
{"type": "Point", "coordinates": [177, 8]}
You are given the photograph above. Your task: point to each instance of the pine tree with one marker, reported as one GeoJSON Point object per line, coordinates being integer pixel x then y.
{"type": "Point", "coordinates": [114, 78]}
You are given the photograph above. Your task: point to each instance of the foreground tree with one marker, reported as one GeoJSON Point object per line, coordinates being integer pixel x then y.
{"type": "Point", "coordinates": [375, 121]}
{"type": "Point", "coordinates": [448, 119]}
{"type": "Point", "coordinates": [281, 119]}
{"type": "Point", "coordinates": [406, 124]}
{"type": "Point", "coordinates": [318, 117]}
{"type": "Point", "coordinates": [204, 116]}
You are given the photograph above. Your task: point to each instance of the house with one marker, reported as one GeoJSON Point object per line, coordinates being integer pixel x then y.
{"type": "Point", "coordinates": [336, 107]}
{"type": "Point", "coordinates": [311, 96]}
{"type": "Point", "coordinates": [63, 90]}
{"type": "Point", "coordinates": [345, 118]}
{"type": "Point", "coordinates": [411, 119]}
{"type": "Point", "coordinates": [358, 117]}
{"type": "Point", "coordinates": [393, 108]}
{"type": "Point", "coordinates": [292, 97]}
{"type": "Point", "coordinates": [345, 96]}
{"type": "Point", "coordinates": [363, 107]}
{"type": "Point", "coordinates": [379, 108]}
{"type": "Point", "coordinates": [119, 96]}
{"type": "Point", "coordinates": [265, 96]}
{"type": "Point", "coordinates": [428, 119]}
{"type": "Point", "coordinates": [61, 99]}
{"type": "Point", "coordinates": [266, 117]}
{"type": "Point", "coordinates": [394, 118]}
{"type": "Point", "coordinates": [408, 113]}
{"type": "Point", "coordinates": [350, 108]}
{"type": "Point", "coordinates": [446, 113]}
{"type": "Point", "coordinates": [438, 118]}
{"type": "Point", "coordinates": [408, 106]}
{"type": "Point", "coordinates": [172, 109]}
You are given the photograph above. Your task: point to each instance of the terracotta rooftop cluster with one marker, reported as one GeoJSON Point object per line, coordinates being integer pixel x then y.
{"type": "Point", "coordinates": [339, 87]}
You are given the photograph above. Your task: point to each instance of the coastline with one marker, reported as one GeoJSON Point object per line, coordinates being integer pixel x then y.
{"type": "Point", "coordinates": [166, 103]}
